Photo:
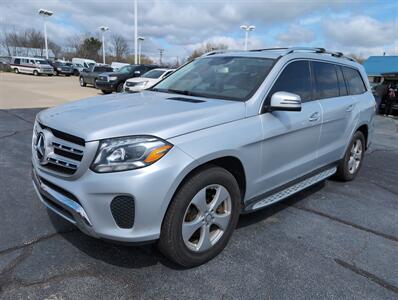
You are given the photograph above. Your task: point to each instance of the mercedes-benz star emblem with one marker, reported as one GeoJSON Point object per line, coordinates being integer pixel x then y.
{"type": "Point", "coordinates": [40, 147]}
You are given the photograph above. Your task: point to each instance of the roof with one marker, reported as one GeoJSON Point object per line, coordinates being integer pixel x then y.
{"type": "Point", "coordinates": [26, 52]}
{"type": "Point", "coordinates": [376, 65]}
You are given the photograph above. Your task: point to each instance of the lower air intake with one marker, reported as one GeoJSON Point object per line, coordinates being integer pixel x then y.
{"type": "Point", "coordinates": [122, 208]}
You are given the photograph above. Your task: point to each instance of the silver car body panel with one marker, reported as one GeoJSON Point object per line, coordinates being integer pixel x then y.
{"type": "Point", "coordinates": [274, 148]}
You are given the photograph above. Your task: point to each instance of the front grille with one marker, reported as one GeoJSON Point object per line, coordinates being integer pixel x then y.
{"type": "Point", "coordinates": [122, 208]}
{"type": "Point", "coordinates": [64, 152]}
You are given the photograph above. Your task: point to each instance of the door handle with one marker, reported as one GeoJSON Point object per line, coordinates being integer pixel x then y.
{"type": "Point", "coordinates": [349, 108]}
{"type": "Point", "coordinates": [314, 117]}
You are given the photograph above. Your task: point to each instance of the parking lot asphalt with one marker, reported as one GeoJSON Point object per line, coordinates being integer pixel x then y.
{"type": "Point", "coordinates": [334, 240]}
{"type": "Point", "coordinates": [28, 91]}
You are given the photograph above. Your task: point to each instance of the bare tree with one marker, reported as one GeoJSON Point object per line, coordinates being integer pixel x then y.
{"type": "Point", "coordinates": [206, 48]}
{"type": "Point", "coordinates": [120, 46]}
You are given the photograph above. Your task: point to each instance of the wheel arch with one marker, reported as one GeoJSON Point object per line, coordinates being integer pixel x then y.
{"type": "Point", "coordinates": [229, 162]}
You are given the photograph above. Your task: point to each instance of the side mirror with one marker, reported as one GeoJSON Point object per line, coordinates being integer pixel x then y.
{"type": "Point", "coordinates": [285, 101]}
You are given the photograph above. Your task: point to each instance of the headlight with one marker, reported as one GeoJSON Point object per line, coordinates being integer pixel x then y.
{"type": "Point", "coordinates": [142, 83]}
{"type": "Point", "coordinates": [112, 78]}
{"type": "Point", "coordinates": [128, 153]}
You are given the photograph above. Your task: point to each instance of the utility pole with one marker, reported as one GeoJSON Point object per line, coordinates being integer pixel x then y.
{"type": "Point", "coordinates": [160, 55]}
{"type": "Point", "coordinates": [103, 30]}
{"type": "Point", "coordinates": [135, 33]}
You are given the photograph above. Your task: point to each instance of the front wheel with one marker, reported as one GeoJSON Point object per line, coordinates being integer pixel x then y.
{"type": "Point", "coordinates": [16, 71]}
{"type": "Point", "coordinates": [35, 73]}
{"type": "Point", "coordinates": [350, 165]}
{"type": "Point", "coordinates": [201, 217]}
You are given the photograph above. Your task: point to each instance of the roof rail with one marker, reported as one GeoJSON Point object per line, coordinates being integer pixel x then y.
{"type": "Point", "coordinates": [287, 50]}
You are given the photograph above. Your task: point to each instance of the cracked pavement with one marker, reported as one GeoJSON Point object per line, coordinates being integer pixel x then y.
{"type": "Point", "coordinates": [335, 240]}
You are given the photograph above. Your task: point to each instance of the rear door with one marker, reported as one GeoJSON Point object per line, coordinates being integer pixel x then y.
{"type": "Point", "coordinates": [290, 138]}
{"type": "Point", "coordinates": [337, 107]}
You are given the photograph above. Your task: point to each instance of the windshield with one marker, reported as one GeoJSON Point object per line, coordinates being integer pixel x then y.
{"type": "Point", "coordinates": [228, 77]}
{"type": "Point", "coordinates": [154, 74]}
{"type": "Point", "coordinates": [126, 69]}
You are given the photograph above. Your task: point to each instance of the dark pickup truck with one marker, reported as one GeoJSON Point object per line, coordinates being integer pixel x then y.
{"type": "Point", "coordinates": [114, 81]}
{"type": "Point", "coordinates": [61, 68]}
{"type": "Point", "coordinates": [91, 75]}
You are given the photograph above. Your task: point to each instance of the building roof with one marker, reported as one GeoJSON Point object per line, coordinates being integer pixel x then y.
{"type": "Point", "coordinates": [377, 65]}
{"type": "Point", "coordinates": [22, 51]}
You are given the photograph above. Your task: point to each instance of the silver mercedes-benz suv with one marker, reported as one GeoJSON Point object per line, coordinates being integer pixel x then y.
{"type": "Point", "coordinates": [228, 133]}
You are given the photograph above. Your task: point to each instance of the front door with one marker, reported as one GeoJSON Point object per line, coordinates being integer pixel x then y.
{"type": "Point", "coordinates": [290, 139]}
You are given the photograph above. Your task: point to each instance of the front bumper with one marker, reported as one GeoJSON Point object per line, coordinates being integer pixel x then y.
{"type": "Point", "coordinates": [86, 200]}
{"type": "Point", "coordinates": [109, 86]}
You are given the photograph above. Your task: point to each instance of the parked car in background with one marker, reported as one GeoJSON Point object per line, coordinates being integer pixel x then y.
{"type": "Point", "coordinates": [117, 65]}
{"type": "Point", "coordinates": [91, 75]}
{"type": "Point", "coordinates": [114, 81]}
{"type": "Point", "coordinates": [77, 68]}
{"type": "Point", "coordinates": [147, 80]}
{"type": "Point", "coordinates": [31, 65]}
{"type": "Point", "coordinates": [86, 63]}
{"type": "Point", "coordinates": [61, 68]}
{"type": "Point", "coordinates": [228, 133]}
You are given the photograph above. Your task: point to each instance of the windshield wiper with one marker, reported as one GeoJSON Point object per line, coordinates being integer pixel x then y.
{"type": "Point", "coordinates": [181, 92]}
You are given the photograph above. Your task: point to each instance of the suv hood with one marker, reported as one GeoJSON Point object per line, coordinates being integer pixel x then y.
{"type": "Point", "coordinates": [145, 113]}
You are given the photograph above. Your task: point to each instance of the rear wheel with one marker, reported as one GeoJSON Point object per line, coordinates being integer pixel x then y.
{"type": "Point", "coordinates": [201, 217]}
{"type": "Point", "coordinates": [35, 73]}
{"type": "Point", "coordinates": [55, 72]}
{"type": "Point", "coordinates": [350, 165]}
{"type": "Point", "coordinates": [82, 82]}
{"type": "Point", "coordinates": [119, 88]}
{"type": "Point", "coordinates": [16, 71]}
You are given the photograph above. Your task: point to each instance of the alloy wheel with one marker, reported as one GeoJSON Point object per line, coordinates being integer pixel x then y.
{"type": "Point", "coordinates": [355, 156]}
{"type": "Point", "coordinates": [206, 218]}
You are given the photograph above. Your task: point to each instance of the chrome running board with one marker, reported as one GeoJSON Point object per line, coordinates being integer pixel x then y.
{"type": "Point", "coordinates": [292, 189]}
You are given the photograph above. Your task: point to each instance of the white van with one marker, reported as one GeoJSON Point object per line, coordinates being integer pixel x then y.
{"type": "Point", "coordinates": [31, 65]}
{"type": "Point", "coordinates": [86, 63]}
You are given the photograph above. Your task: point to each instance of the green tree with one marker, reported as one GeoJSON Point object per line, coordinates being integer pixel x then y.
{"type": "Point", "coordinates": [90, 48]}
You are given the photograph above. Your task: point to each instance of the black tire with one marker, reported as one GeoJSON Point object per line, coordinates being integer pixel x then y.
{"type": "Point", "coordinates": [49, 75]}
{"type": "Point", "coordinates": [95, 83]}
{"type": "Point", "coordinates": [35, 73]}
{"type": "Point", "coordinates": [55, 73]}
{"type": "Point", "coordinates": [171, 242]}
{"type": "Point", "coordinates": [343, 170]}
{"type": "Point", "coordinates": [82, 82]}
{"type": "Point", "coordinates": [105, 92]}
{"type": "Point", "coordinates": [119, 88]}
{"type": "Point", "coordinates": [16, 71]}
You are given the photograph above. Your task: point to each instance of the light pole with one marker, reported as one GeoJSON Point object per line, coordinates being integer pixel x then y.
{"type": "Point", "coordinates": [135, 32]}
{"type": "Point", "coordinates": [103, 29]}
{"type": "Point", "coordinates": [247, 29]}
{"type": "Point", "coordinates": [45, 13]}
{"type": "Point", "coordinates": [140, 40]}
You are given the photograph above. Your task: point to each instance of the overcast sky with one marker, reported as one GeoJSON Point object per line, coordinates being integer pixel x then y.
{"type": "Point", "coordinates": [179, 26]}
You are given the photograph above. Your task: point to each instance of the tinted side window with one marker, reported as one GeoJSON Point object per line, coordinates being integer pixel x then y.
{"type": "Point", "coordinates": [17, 61]}
{"type": "Point", "coordinates": [342, 85]}
{"type": "Point", "coordinates": [354, 81]}
{"type": "Point", "coordinates": [325, 80]}
{"type": "Point", "coordinates": [296, 79]}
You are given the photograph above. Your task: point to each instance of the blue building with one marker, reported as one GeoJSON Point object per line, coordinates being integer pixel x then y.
{"type": "Point", "coordinates": [376, 66]}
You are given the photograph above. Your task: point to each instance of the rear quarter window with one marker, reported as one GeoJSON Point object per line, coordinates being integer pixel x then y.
{"type": "Point", "coordinates": [354, 81]}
